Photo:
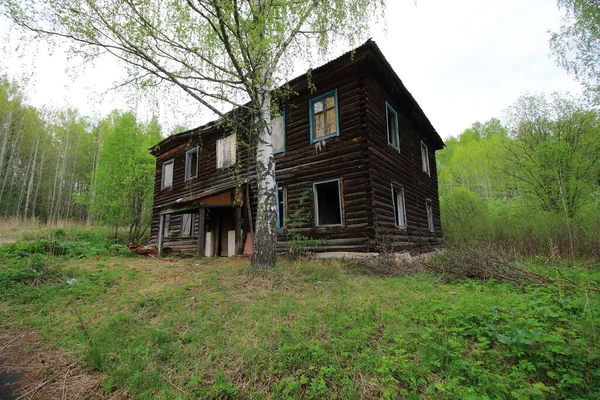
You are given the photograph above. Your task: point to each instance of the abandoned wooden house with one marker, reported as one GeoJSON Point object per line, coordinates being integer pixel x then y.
{"type": "Point", "coordinates": [355, 170]}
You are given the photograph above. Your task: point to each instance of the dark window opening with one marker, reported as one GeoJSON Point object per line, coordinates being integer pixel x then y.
{"type": "Point", "coordinates": [328, 208]}
{"type": "Point", "coordinates": [280, 207]}
{"type": "Point", "coordinates": [430, 215]}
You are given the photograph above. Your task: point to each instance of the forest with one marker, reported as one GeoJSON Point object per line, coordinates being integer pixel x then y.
{"type": "Point", "coordinates": [57, 166]}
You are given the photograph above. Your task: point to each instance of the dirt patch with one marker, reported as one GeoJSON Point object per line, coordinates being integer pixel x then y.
{"type": "Point", "coordinates": [30, 369]}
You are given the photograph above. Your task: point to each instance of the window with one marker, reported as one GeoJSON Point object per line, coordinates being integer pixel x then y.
{"type": "Point", "coordinates": [167, 174]}
{"type": "Point", "coordinates": [328, 203]}
{"type": "Point", "coordinates": [167, 226]}
{"type": "Point", "coordinates": [278, 134]}
{"type": "Point", "coordinates": [280, 200]}
{"type": "Point", "coordinates": [187, 224]}
{"type": "Point", "coordinates": [226, 151]}
{"type": "Point", "coordinates": [399, 206]}
{"type": "Point", "coordinates": [392, 126]}
{"type": "Point", "coordinates": [324, 117]}
{"type": "Point", "coordinates": [425, 159]}
{"type": "Point", "coordinates": [191, 164]}
{"type": "Point", "coordinates": [429, 208]}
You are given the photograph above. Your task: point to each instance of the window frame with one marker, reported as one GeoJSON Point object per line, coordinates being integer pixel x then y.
{"type": "Point", "coordinates": [311, 116]}
{"type": "Point", "coordinates": [284, 116]}
{"type": "Point", "coordinates": [217, 151]}
{"type": "Point", "coordinates": [425, 159]}
{"type": "Point", "coordinates": [429, 211]}
{"type": "Point", "coordinates": [188, 163]}
{"type": "Point", "coordinates": [388, 108]}
{"type": "Point", "coordinates": [316, 203]}
{"type": "Point", "coordinates": [395, 187]}
{"type": "Point", "coordinates": [280, 222]}
{"type": "Point", "coordinates": [162, 174]}
{"type": "Point", "coordinates": [192, 225]}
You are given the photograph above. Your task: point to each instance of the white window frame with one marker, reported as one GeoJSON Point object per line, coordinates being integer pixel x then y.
{"type": "Point", "coordinates": [397, 211]}
{"type": "Point", "coordinates": [220, 151]}
{"type": "Point", "coordinates": [425, 159]}
{"type": "Point", "coordinates": [282, 116]}
{"type": "Point", "coordinates": [388, 109]}
{"type": "Point", "coordinates": [162, 175]}
{"type": "Point", "coordinates": [188, 164]}
{"type": "Point", "coordinates": [192, 218]}
{"type": "Point", "coordinates": [316, 202]}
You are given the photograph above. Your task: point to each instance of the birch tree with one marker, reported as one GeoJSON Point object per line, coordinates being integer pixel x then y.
{"type": "Point", "coordinates": [217, 51]}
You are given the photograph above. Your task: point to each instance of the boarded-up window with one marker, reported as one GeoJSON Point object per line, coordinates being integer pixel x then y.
{"type": "Point", "coordinates": [399, 206]}
{"type": "Point", "coordinates": [187, 225]}
{"type": "Point", "coordinates": [278, 134]}
{"type": "Point", "coordinates": [226, 151]}
{"type": "Point", "coordinates": [280, 199]}
{"type": "Point", "coordinates": [324, 116]}
{"type": "Point", "coordinates": [429, 208]}
{"type": "Point", "coordinates": [328, 203]}
{"type": "Point", "coordinates": [167, 174]}
{"type": "Point", "coordinates": [392, 126]}
{"type": "Point", "coordinates": [425, 159]}
{"type": "Point", "coordinates": [191, 164]}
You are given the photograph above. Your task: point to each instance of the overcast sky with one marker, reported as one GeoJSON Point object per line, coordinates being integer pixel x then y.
{"type": "Point", "coordinates": [462, 60]}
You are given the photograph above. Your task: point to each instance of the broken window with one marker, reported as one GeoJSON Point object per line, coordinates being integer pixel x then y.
{"type": "Point", "coordinates": [226, 151]}
{"type": "Point", "coordinates": [278, 134]}
{"type": "Point", "coordinates": [392, 127]}
{"type": "Point", "coordinates": [399, 206]}
{"type": "Point", "coordinates": [328, 203]}
{"type": "Point", "coordinates": [280, 200]}
{"type": "Point", "coordinates": [191, 164]}
{"type": "Point", "coordinates": [187, 225]}
{"type": "Point", "coordinates": [425, 159]}
{"type": "Point", "coordinates": [429, 208]}
{"type": "Point", "coordinates": [167, 226]}
{"type": "Point", "coordinates": [167, 174]}
{"type": "Point", "coordinates": [324, 116]}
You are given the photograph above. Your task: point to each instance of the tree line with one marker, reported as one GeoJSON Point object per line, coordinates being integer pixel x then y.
{"type": "Point", "coordinates": [530, 184]}
{"type": "Point", "coordinates": [58, 165]}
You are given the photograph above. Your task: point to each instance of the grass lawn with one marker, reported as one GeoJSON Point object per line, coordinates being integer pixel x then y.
{"type": "Point", "coordinates": [213, 328]}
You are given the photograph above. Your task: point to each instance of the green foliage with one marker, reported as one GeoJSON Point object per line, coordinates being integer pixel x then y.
{"type": "Point", "coordinates": [125, 176]}
{"type": "Point", "coordinates": [534, 190]}
{"type": "Point", "coordinates": [299, 218]}
{"type": "Point", "coordinates": [315, 330]}
{"type": "Point", "coordinates": [577, 45]}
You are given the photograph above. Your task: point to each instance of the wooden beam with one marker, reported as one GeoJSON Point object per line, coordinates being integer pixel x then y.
{"type": "Point", "coordinates": [238, 231]}
{"type": "Point", "coordinates": [201, 232]}
{"type": "Point", "coordinates": [161, 228]}
{"type": "Point", "coordinates": [249, 209]}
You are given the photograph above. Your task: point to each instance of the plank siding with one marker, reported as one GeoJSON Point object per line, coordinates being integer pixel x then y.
{"type": "Point", "coordinates": [359, 157]}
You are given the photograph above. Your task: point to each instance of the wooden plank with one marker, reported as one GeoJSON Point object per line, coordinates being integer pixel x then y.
{"type": "Point", "coordinates": [238, 231]}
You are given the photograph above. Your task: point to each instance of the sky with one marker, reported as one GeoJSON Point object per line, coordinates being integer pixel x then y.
{"type": "Point", "coordinates": [463, 61]}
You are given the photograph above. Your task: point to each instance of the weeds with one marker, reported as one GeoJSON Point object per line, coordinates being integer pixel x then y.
{"type": "Point", "coordinates": [312, 329]}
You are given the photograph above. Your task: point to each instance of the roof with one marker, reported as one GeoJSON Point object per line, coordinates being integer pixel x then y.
{"type": "Point", "coordinates": [368, 48]}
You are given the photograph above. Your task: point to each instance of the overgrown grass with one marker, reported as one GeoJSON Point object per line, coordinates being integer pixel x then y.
{"type": "Point", "coordinates": [216, 329]}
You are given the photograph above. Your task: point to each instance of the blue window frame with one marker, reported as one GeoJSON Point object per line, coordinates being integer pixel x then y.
{"type": "Point", "coordinates": [191, 164]}
{"type": "Point", "coordinates": [328, 203]}
{"type": "Point", "coordinates": [323, 113]}
{"type": "Point", "coordinates": [280, 200]}
{"type": "Point", "coordinates": [393, 134]}
{"type": "Point", "coordinates": [278, 133]}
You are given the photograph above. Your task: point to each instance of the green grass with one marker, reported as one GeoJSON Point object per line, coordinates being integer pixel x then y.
{"type": "Point", "coordinates": [216, 329]}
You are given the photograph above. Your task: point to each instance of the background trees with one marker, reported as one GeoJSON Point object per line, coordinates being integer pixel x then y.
{"type": "Point", "coordinates": [532, 186]}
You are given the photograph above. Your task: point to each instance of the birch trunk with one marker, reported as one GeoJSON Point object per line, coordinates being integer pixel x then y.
{"type": "Point", "coordinates": [265, 236]}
